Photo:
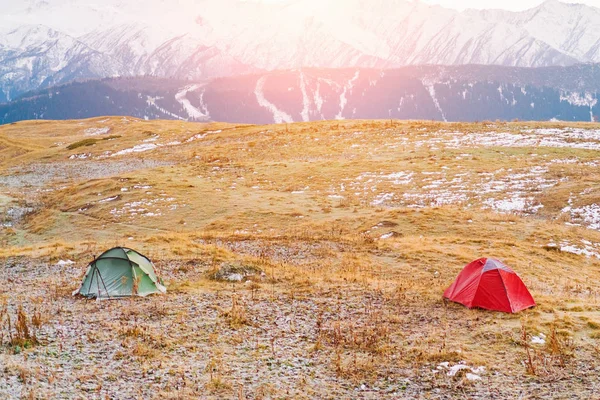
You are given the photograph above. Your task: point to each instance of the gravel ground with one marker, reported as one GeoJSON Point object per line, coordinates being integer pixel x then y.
{"type": "Point", "coordinates": [39, 175]}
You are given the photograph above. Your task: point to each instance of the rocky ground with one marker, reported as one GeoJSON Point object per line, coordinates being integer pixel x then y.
{"type": "Point", "coordinates": [272, 338]}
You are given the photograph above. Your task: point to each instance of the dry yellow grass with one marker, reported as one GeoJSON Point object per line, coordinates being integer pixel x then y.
{"type": "Point", "coordinates": [356, 275]}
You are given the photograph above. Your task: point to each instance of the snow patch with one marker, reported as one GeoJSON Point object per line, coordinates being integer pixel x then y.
{"type": "Point", "coordinates": [196, 137]}
{"type": "Point", "coordinates": [151, 101]}
{"type": "Point", "coordinates": [343, 99]}
{"type": "Point", "coordinates": [96, 131]}
{"type": "Point", "coordinates": [80, 156]}
{"type": "Point", "coordinates": [431, 90]}
{"type": "Point", "coordinates": [472, 375]}
{"type": "Point", "coordinates": [540, 339]}
{"type": "Point", "coordinates": [585, 99]}
{"type": "Point", "coordinates": [507, 205]}
{"type": "Point", "coordinates": [586, 248]}
{"type": "Point", "coordinates": [382, 198]}
{"type": "Point", "coordinates": [318, 99]}
{"type": "Point", "coordinates": [588, 215]}
{"type": "Point", "coordinates": [576, 138]}
{"type": "Point", "coordinates": [279, 116]}
{"type": "Point", "coordinates": [108, 199]}
{"type": "Point", "coordinates": [136, 149]}
{"type": "Point", "coordinates": [193, 112]}
{"type": "Point", "coordinates": [305, 100]}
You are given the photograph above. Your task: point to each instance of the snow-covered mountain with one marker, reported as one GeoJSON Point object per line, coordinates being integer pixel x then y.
{"type": "Point", "coordinates": [47, 42]}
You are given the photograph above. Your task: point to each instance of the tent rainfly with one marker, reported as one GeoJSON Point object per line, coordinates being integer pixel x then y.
{"type": "Point", "coordinates": [488, 283]}
{"type": "Point", "coordinates": [120, 272]}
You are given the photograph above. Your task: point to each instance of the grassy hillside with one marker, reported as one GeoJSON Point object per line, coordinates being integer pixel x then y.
{"type": "Point", "coordinates": [351, 231]}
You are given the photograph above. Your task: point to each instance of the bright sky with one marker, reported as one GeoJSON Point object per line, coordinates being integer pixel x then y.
{"type": "Point", "coordinates": [514, 5]}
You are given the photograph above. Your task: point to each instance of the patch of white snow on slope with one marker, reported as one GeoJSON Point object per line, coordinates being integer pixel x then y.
{"type": "Point", "coordinates": [196, 137]}
{"type": "Point", "coordinates": [97, 131]}
{"type": "Point", "coordinates": [151, 101]}
{"type": "Point", "coordinates": [343, 99]}
{"type": "Point", "coordinates": [305, 100]}
{"type": "Point", "coordinates": [136, 149]}
{"type": "Point", "coordinates": [431, 89]}
{"type": "Point", "coordinates": [396, 178]}
{"type": "Point", "coordinates": [109, 199]}
{"type": "Point", "coordinates": [515, 204]}
{"type": "Point", "coordinates": [318, 99]}
{"type": "Point", "coordinates": [472, 375]}
{"type": "Point", "coordinates": [577, 99]}
{"type": "Point", "coordinates": [382, 198]}
{"type": "Point", "coordinates": [586, 250]}
{"type": "Point", "coordinates": [82, 156]}
{"type": "Point", "coordinates": [279, 116]}
{"type": "Point", "coordinates": [574, 138]}
{"type": "Point", "coordinates": [193, 112]}
{"type": "Point", "coordinates": [588, 215]}
{"type": "Point", "coordinates": [540, 339]}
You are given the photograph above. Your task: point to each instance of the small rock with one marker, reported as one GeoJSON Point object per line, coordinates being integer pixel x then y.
{"type": "Point", "coordinates": [236, 273]}
{"type": "Point", "coordinates": [391, 234]}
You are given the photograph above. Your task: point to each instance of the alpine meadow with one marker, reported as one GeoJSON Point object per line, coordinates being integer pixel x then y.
{"type": "Point", "coordinates": [288, 199]}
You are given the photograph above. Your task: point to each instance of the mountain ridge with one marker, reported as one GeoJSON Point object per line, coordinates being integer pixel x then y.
{"type": "Point", "coordinates": [445, 93]}
{"type": "Point", "coordinates": [203, 40]}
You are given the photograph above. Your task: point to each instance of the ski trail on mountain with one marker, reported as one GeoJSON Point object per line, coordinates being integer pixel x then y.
{"type": "Point", "coordinates": [343, 99]}
{"type": "Point", "coordinates": [279, 116]}
{"type": "Point", "coordinates": [193, 112]}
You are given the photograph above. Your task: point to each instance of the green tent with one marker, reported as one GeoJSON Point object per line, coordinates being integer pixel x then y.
{"type": "Point", "coordinates": [120, 272]}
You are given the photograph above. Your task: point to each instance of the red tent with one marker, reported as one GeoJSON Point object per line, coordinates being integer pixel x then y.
{"type": "Point", "coordinates": [488, 283]}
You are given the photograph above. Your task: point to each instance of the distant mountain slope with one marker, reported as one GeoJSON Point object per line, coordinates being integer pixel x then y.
{"type": "Point", "coordinates": [44, 43]}
{"type": "Point", "coordinates": [150, 97]}
{"type": "Point", "coordinates": [464, 93]}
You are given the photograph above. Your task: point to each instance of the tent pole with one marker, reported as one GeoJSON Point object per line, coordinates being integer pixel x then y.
{"type": "Point", "coordinates": [103, 284]}
{"type": "Point", "coordinates": [98, 283]}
